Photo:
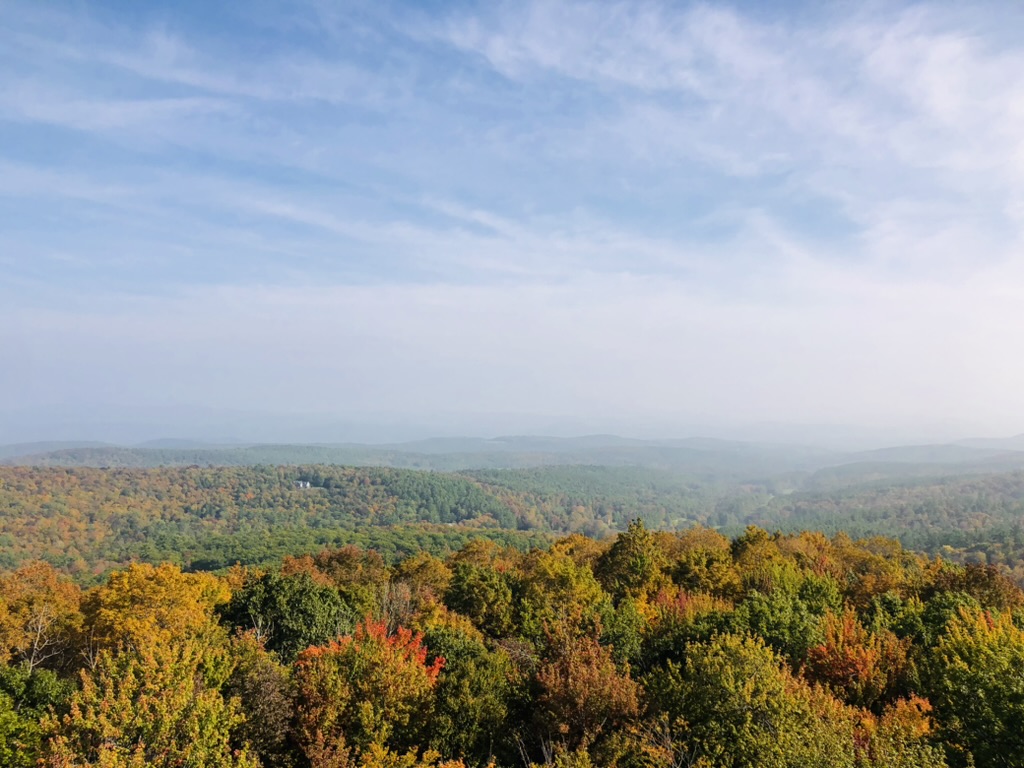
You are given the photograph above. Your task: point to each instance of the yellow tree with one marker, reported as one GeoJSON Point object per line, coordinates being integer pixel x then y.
{"type": "Point", "coordinates": [145, 605]}
{"type": "Point", "coordinates": [40, 615]}
{"type": "Point", "coordinates": [976, 684]}
{"type": "Point", "coordinates": [556, 590]}
{"type": "Point", "coordinates": [152, 706]}
{"type": "Point", "coordinates": [899, 738]}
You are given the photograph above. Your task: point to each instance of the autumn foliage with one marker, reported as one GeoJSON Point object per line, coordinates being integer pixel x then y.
{"type": "Point", "coordinates": [363, 691]}
{"type": "Point", "coordinates": [650, 650]}
{"type": "Point", "coordinates": [858, 665]}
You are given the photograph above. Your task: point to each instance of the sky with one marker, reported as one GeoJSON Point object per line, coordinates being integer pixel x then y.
{"type": "Point", "coordinates": [314, 220]}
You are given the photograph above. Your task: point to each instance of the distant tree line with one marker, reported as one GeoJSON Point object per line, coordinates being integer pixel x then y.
{"type": "Point", "coordinates": [90, 521]}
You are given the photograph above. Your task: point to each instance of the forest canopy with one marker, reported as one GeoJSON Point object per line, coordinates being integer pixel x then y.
{"type": "Point", "coordinates": [646, 649]}
{"type": "Point", "coordinates": [87, 521]}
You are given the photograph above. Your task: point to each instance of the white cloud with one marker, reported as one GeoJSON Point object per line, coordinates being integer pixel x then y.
{"type": "Point", "coordinates": [902, 112]}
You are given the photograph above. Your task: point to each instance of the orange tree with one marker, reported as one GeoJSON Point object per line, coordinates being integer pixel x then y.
{"type": "Point", "coordinates": [367, 689]}
{"type": "Point", "coordinates": [582, 694]}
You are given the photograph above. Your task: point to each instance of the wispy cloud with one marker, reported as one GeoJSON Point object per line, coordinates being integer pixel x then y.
{"type": "Point", "coordinates": [882, 116]}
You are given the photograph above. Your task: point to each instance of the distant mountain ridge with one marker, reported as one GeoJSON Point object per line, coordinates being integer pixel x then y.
{"type": "Point", "coordinates": [1015, 443]}
{"type": "Point", "coordinates": [706, 458]}
{"type": "Point", "coordinates": [951, 453]}
{"type": "Point", "coordinates": [23, 450]}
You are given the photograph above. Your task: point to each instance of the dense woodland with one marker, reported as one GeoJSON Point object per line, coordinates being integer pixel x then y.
{"type": "Point", "coordinates": [88, 521]}
{"type": "Point", "coordinates": [647, 649]}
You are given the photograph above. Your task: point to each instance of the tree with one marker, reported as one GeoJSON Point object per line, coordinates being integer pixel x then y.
{"type": "Point", "coordinates": [263, 688]}
{"type": "Point", "coordinates": [557, 590]}
{"type": "Point", "coordinates": [900, 738]}
{"type": "Point", "coordinates": [680, 618]}
{"type": "Point", "coordinates": [732, 704]}
{"type": "Point", "coordinates": [860, 666]}
{"type": "Point", "coordinates": [762, 566]}
{"type": "Point", "coordinates": [427, 576]}
{"type": "Point", "coordinates": [367, 689]}
{"type": "Point", "coordinates": [289, 613]}
{"type": "Point", "coordinates": [985, 583]}
{"type": "Point", "coordinates": [150, 706]}
{"type": "Point", "coordinates": [20, 739]}
{"type": "Point", "coordinates": [623, 631]}
{"type": "Point", "coordinates": [40, 616]}
{"type": "Point", "coordinates": [379, 757]}
{"type": "Point", "coordinates": [779, 618]}
{"type": "Point", "coordinates": [707, 570]}
{"type": "Point", "coordinates": [582, 694]}
{"type": "Point", "coordinates": [147, 605]}
{"type": "Point", "coordinates": [475, 692]}
{"type": "Point", "coordinates": [939, 613]}
{"type": "Point", "coordinates": [359, 575]}
{"type": "Point", "coordinates": [484, 595]}
{"type": "Point", "coordinates": [976, 684]}
{"type": "Point", "coordinates": [633, 566]}
{"type": "Point", "coordinates": [26, 696]}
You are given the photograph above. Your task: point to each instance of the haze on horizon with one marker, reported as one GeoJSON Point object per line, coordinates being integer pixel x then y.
{"type": "Point", "coordinates": [645, 218]}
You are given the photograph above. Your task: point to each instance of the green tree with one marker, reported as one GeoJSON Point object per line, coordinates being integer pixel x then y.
{"type": "Point", "coordinates": [976, 684]}
{"type": "Point", "coordinates": [623, 630]}
{"type": "Point", "coordinates": [940, 612]}
{"type": "Point", "coordinates": [20, 737]}
{"type": "Point", "coordinates": [263, 688]}
{"type": "Point", "coordinates": [634, 564]}
{"type": "Point", "coordinates": [779, 618]}
{"type": "Point", "coordinates": [732, 704]}
{"type": "Point", "coordinates": [475, 692]}
{"type": "Point", "coordinates": [483, 594]}
{"type": "Point", "coordinates": [26, 696]}
{"type": "Point", "coordinates": [680, 618]}
{"type": "Point", "coordinates": [289, 613]}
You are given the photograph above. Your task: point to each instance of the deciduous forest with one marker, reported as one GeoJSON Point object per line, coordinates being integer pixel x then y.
{"type": "Point", "coordinates": [644, 649]}
{"type": "Point", "coordinates": [87, 521]}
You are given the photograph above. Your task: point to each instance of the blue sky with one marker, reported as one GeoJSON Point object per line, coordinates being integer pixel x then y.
{"type": "Point", "coordinates": [645, 217]}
